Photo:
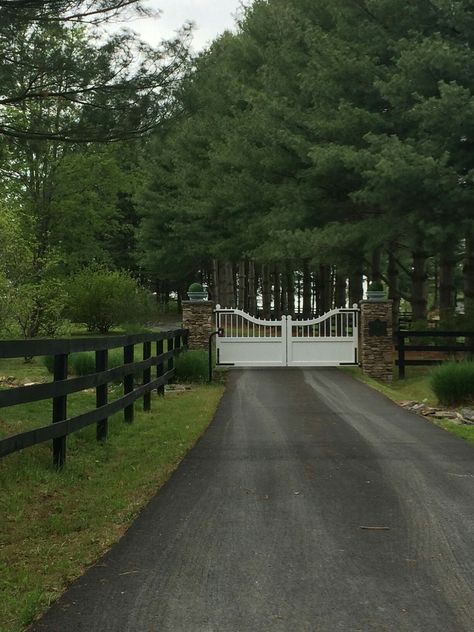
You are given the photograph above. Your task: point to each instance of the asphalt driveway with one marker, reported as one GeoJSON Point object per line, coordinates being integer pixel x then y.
{"type": "Point", "coordinates": [311, 504]}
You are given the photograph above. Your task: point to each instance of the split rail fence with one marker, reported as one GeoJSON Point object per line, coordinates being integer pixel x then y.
{"type": "Point", "coordinates": [448, 343]}
{"type": "Point", "coordinates": [58, 390]}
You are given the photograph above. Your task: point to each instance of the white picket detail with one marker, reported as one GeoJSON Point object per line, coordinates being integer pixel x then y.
{"type": "Point", "coordinates": [330, 340]}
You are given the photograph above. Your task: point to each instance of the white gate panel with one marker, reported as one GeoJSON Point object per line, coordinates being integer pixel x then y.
{"type": "Point", "coordinates": [330, 340]}
{"type": "Point", "coordinates": [258, 352]}
{"type": "Point", "coordinates": [249, 341]}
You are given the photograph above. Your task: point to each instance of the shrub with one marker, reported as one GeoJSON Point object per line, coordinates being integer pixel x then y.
{"type": "Point", "coordinates": [376, 286]}
{"type": "Point", "coordinates": [38, 308]}
{"type": "Point", "coordinates": [453, 383]}
{"type": "Point", "coordinates": [101, 298]}
{"type": "Point", "coordinates": [83, 363]}
{"type": "Point", "coordinates": [192, 366]}
{"type": "Point", "coordinates": [5, 297]}
{"type": "Point", "coordinates": [195, 287]}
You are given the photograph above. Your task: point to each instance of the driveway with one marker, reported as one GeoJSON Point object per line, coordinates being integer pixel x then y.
{"type": "Point", "coordinates": [311, 504]}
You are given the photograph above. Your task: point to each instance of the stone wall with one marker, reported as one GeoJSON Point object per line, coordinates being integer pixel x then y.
{"type": "Point", "coordinates": [199, 319]}
{"type": "Point", "coordinates": [376, 340]}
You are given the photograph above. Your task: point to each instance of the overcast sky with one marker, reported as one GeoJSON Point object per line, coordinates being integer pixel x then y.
{"type": "Point", "coordinates": [211, 17]}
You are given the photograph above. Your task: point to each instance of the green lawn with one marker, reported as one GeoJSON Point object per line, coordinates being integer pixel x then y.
{"type": "Point", "coordinates": [54, 525]}
{"type": "Point", "coordinates": [415, 387]}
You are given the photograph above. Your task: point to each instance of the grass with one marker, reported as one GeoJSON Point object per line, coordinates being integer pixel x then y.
{"type": "Point", "coordinates": [415, 387]}
{"type": "Point", "coordinates": [54, 525]}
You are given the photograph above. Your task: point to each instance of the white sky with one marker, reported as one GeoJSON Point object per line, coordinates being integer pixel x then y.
{"type": "Point", "coordinates": [211, 17]}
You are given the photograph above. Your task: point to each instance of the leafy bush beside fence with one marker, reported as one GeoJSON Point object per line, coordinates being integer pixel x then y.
{"type": "Point", "coordinates": [101, 299]}
{"type": "Point", "coordinates": [193, 366]}
{"type": "Point", "coordinates": [83, 363]}
{"type": "Point", "coordinates": [453, 383]}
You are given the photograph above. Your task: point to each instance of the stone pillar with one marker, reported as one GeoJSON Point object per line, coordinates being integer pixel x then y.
{"type": "Point", "coordinates": [198, 317]}
{"type": "Point", "coordinates": [376, 339]}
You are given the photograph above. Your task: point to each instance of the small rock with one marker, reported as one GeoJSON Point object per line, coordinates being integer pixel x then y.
{"type": "Point", "coordinates": [407, 404]}
{"type": "Point", "coordinates": [429, 411]}
{"type": "Point", "coordinates": [467, 413]}
{"type": "Point", "coordinates": [445, 414]}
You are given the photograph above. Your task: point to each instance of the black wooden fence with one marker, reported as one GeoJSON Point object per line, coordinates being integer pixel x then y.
{"type": "Point", "coordinates": [466, 346]}
{"type": "Point", "coordinates": [154, 355]}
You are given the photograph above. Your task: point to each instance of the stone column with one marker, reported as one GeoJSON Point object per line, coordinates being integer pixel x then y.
{"type": "Point", "coordinates": [376, 339]}
{"type": "Point", "coordinates": [198, 317]}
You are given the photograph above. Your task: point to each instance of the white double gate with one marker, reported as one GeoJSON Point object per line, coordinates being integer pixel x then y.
{"type": "Point", "coordinates": [330, 340]}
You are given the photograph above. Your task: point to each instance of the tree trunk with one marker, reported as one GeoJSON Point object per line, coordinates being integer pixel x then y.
{"type": "Point", "coordinates": [298, 293]}
{"type": "Point", "coordinates": [314, 294]}
{"type": "Point", "coordinates": [468, 273]}
{"type": "Point", "coordinates": [276, 293]}
{"type": "Point", "coordinates": [340, 290]}
{"type": "Point", "coordinates": [284, 293]}
{"type": "Point", "coordinates": [356, 286]}
{"type": "Point", "coordinates": [324, 289]}
{"type": "Point", "coordinates": [266, 292]}
{"type": "Point", "coordinates": [393, 278]}
{"type": "Point", "coordinates": [447, 288]}
{"type": "Point", "coordinates": [290, 289]}
{"type": "Point", "coordinates": [215, 294]}
{"type": "Point", "coordinates": [241, 284]}
{"type": "Point", "coordinates": [306, 290]}
{"type": "Point", "coordinates": [227, 285]}
{"type": "Point", "coordinates": [418, 283]}
{"type": "Point", "coordinates": [376, 265]}
{"type": "Point", "coordinates": [252, 295]}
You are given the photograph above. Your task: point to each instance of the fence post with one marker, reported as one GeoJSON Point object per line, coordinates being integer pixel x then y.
{"type": "Point", "coordinates": [101, 394]}
{"type": "Point", "coordinates": [128, 382]}
{"type": "Point", "coordinates": [159, 366]}
{"type": "Point", "coordinates": [147, 376]}
{"type": "Point", "coordinates": [177, 342]}
{"type": "Point", "coordinates": [60, 410]}
{"type": "Point", "coordinates": [170, 348]}
{"type": "Point", "coordinates": [401, 354]}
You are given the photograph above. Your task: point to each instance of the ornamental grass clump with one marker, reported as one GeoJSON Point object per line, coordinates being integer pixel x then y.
{"type": "Point", "coordinates": [83, 363]}
{"type": "Point", "coordinates": [192, 366]}
{"type": "Point", "coordinates": [453, 383]}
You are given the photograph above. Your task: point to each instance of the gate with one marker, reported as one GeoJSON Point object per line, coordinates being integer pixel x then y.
{"type": "Point", "coordinates": [330, 340]}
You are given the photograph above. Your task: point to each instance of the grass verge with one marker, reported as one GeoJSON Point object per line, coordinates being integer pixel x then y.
{"type": "Point", "coordinates": [55, 525]}
{"type": "Point", "coordinates": [415, 387]}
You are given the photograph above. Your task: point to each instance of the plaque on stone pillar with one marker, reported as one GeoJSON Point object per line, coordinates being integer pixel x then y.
{"type": "Point", "coordinates": [378, 328]}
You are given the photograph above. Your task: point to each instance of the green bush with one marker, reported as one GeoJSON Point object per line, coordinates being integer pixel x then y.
{"type": "Point", "coordinates": [376, 286]}
{"type": "Point", "coordinates": [37, 309]}
{"type": "Point", "coordinates": [102, 298]}
{"type": "Point", "coordinates": [453, 383]}
{"type": "Point", "coordinates": [195, 287]}
{"type": "Point", "coordinates": [83, 363]}
{"type": "Point", "coordinates": [192, 366]}
{"type": "Point", "coordinates": [48, 362]}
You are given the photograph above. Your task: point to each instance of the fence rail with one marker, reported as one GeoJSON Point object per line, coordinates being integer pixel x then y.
{"type": "Point", "coordinates": [61, 387]}
{"type": "Point", "coordinates": [402, 348]}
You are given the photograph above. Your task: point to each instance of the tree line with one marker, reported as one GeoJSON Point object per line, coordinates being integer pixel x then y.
{"type": "Point", "coordinates": [324, 142]}
{"type": "Point", "coordinates": [79, 93]}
